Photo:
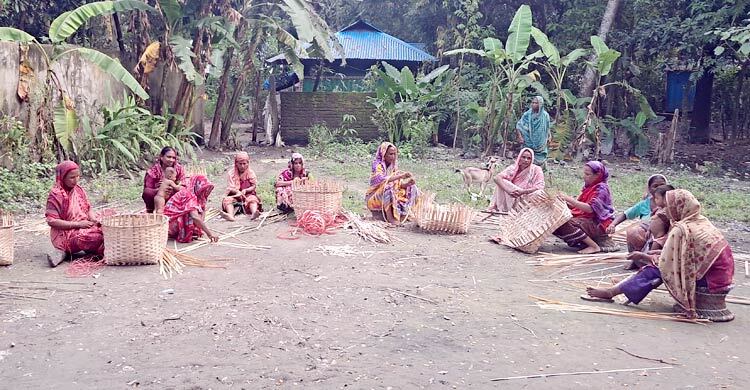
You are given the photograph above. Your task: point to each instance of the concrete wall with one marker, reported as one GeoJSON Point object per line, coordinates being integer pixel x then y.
{"type": "Point", "coordinates": [85, 83]}
{"type": "Point", "coordinates": [301, 110]}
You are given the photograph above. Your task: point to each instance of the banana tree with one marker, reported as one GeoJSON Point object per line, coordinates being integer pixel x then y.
{"type": "Point", "coordinates": [556, 67]}
{"type": "Point", "coordinates": [65, 121]}
{"type": "Point", "coordinates": [508, 77]}
{"type": "Point", "coordinates": [592, 125]}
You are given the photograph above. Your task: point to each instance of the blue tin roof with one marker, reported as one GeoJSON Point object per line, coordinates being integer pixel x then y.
{"type": "Point", "coordinates": [363, 41]}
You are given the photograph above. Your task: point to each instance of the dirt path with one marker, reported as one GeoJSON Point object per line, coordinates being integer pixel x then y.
{"type": "Point", "coordinates": [293, 317]}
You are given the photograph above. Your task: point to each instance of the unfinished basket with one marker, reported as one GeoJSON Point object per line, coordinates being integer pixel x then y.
{"type": "Point", "coordinates": [134, 239]}
{"type": "Point", "coordinates": [325, 196]}
{"type": "Point", "coordinates": [532, 220]}
{"type": "Point", "coordinates": [453, 218]}
{"type": "Point", "coordinates": [195, 170]}
{"type": "Point", "coordinates": [7, 239]}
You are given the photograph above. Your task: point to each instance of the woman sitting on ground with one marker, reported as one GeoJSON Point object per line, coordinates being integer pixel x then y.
{"type": "Point", "coordinates": [73, 226]}
{"type": "Point", "coordinates": [186, 210]}
{"type": "Point", "coordinates": [637, 235]}
{"type": "Point", "coordinates": [154, 176]}
{"type": "Point", "coordinates": [516, 181]}
{"type": "Point", "coordinates": [241, 197]}
{"type": "Point", "coordinates": [592, 211]}
{"type": "Point", "coordinates": [295, 171]}
{"type": "Point", "coordinates": [392, 192]}
{"type": "Point", "coordinates": [696, 264]}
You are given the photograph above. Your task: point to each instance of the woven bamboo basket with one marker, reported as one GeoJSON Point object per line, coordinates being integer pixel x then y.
{"type": "Point", "coordinates": [532, 220]}
{"type": "Point", "coordinates": [325, 196]}
{"type": "Point", "coordinates": [195, 170]}
{"type": "Point", "coordinates": [7, 239]}
{"type": "Point", "coordinates": [430, 216]}
{"type": "Point", "coordinates": [134, 239]}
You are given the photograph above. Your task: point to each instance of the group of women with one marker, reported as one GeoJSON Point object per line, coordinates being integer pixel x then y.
{"type": "Point", "coordinates": [673, 243]}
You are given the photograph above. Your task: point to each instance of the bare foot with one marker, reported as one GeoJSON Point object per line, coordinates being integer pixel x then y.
{"type": "Point", "coordinates": [55, 257]}
{"type": "Point", "coordinates": [601, 293]}
{"type": "Point", "coordinates": [590, 249]}
{"type": "Point", "coordinates": [254, 215]}
{"type": "Point", "coordinates": [226, 216]}
{"type": "Point", "coordinates": [631, 267]}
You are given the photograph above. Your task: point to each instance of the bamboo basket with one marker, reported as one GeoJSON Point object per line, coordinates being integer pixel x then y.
{"type": "Point", "coordinates": [325, 196]}
{"type": "Point", "coordinates": [430, 216]}
{"type": "Point", "coordinates": [532, 220]}
{"type": "Point", "coordinates": [134, 239]}
{"type": "Point", "coordinates": [7, 238]}
{"type": "Point", "coordinates": [195, 170]}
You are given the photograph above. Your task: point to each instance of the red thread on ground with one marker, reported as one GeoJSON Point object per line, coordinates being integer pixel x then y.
{"type": "Point", "coordinates": [314, 223]}
{"type": "Point", "coordinates": [84, 267]}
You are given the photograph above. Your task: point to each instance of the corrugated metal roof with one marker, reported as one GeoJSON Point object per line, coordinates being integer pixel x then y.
{"type": "Point", "coordinates": [363, 41]}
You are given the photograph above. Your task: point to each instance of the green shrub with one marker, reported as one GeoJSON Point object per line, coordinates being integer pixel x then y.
{"type": "Point", "coordinates": [26, 185]}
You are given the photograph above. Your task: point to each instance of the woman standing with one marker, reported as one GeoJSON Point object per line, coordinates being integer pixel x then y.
{"type": "Point", "coordinates": [294, 171]}
{"type": "Point", "coordinates": [592, 210]}
{"type": "Point", "coordinates": [516, 181]}
{"type": "Point", "coordinates": [533, 130]}
{"type": "Point", "coordinates": [186, 209]}
{"type": "Point", "coordinates": [241, 196]}
{"type": "Point", "coordinates": [73, 226]}
{"type": "Point", "coordinates": [392, 192]}
{"type": "Point", "coordinates": [696, 264]}
{"type": "Point", "coordinates": [155, 174]}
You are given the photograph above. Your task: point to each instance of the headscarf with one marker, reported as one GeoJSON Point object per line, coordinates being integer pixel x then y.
{"type": "Point", "coordinates": [531, 177]}
{"type": "Point", "coordinates": [193, 197]}
{"type": "Point", "coordinates": [69, 205]}
{"type": "Point", "coordinates": [534, 128]}
{"type": "Point", "coordinates": [598, 196]}
{"type": "Point", "coordinates": [380, 158]}
{"type": "Point", "coordinates": [288, 173]}
{"type": "Point", "coordinates": [235, 178]}
{"type": "Point", "coordinates": [647, 194]}
{"type": "Point", "coordinates": [692, 247]}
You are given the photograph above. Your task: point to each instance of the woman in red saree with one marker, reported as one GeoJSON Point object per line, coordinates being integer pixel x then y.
{"type": "Point", "coordinates": [696, 264]}
{"type": "Point", "coordinates": [516, 181]}
{"type": "Point", "coordinates": [73, 226]}
{"type": "Point", "coordinates": [592, 211]}
{"type": "Point", "coordinates": [240, 196]}
{"type": "Point", "coordinates": [186, 209]}
{"type": "Point", "coordinates": [153, 177]}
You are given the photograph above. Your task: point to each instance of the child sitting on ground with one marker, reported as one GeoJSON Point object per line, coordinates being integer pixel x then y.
{"type": "Point", "coordinates": [658, 228]}
{"type": "Point", "coordinates": [169, 185]}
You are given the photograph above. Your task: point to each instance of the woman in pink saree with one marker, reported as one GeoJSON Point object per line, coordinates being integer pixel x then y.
{"type": "Point", "coordinates": [516, 181]}
{"type": "Point", "coordinates": [73, 226]}
{"type": "Point", "coordinates": [186, 210]}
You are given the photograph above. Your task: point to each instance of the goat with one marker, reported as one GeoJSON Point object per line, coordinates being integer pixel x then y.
{"type": "Point", "coordinates": [482, 176]}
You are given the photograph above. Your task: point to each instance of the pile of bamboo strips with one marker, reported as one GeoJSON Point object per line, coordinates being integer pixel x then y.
{"type": "Point", "coordinates": [224, 237]}
{"type": "Point", "coordinates": [367, 230]}
{"type": "Point", "coordinates": [555, 260]}
{"type": "Point", "coordinates": [620, 234]}
{"type": "Point", "coordinates": [550, 304]}
{"type": "Point", "coordinates": [173, 262]}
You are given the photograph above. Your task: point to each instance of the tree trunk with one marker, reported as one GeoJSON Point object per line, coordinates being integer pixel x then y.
{"type": "Point", "coordinates": [120, 43]}
{"type": "Point", "coordinates": [273, 112]}
{"type": "Point", "coordinates": [700, 126]}
{"type": "Point", "coordinates": [737, 103]}
{"type": "Point", "coordinates": [256, 108]}
{"type": "Point", "coordinates": [318, 75]}
{"type": "Point", "coordinates": [216, 133]}
{"type": "Point", "coordinates": [239, 87]}
{"type": "Point", "coordinates": [610, 14]}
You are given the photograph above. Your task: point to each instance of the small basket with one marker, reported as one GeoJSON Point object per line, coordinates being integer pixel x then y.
{"type": "Point", "coordinates": [323, 196]}
{"type": "Point", "coordinates": [453, 218]}
{"type": "Point", "coordinates": [134, 239]}
{"type": "Point", "coordinates": [7, 238]}
{"type": "Point", "coordinates": [532, 220]}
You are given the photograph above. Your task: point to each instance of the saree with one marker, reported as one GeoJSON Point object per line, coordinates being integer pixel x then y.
{"type": "Point", "coordinates": [513, 178]}
{"type": "Point", "coordinates": [284, 198]}
{"type": "Point", "coordinates": [71, 205]}
{"type": "Point", "coordinates": [592, 224]}
{"type": "Point", "coordinates": [192, 198]}
{"type": "Point", "coordinates": [237, 182]}
{"type": "Point", "coordinates": [151, 182]}
{"type": "Point", "coordinates": [534, 128]}
{"type": "Point", "coordinates": [381, 194]}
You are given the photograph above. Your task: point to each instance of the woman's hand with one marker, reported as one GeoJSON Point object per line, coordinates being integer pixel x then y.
{"type": "Point", "coordinates": [516, 193]}
{"type": "Point", "coordinates": [566, 198]}
{"type": "Point", "coordinates": [212, 237]}
{"type": "Point", "coordinates": [85, 224]}
{"type": "Point", "coordinates": [611, 228]}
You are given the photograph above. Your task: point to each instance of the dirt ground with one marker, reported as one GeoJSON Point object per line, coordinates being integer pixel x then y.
{"type": "Point", "coordinates": [292, 317]}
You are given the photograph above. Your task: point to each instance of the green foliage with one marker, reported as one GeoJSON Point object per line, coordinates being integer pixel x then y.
{"type": "Point", "coordinates": [520, 34]}
{"type": "Point", "coordinates": [26, 186]}
{"type": "Point", "coordinates": [129, 138]}
{"type": "Point", "coordinates": [111, 67]}
{"type": "Point", "coordinates": [13, 142]}
{"type": "Point", "coordinates": [69, 22]}
{"type": "Point", "coordinates": [335, 143]}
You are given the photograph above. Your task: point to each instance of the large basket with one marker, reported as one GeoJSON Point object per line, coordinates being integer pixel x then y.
{"type": "Point", "coordinates": [7, 239]}
{"type": "Point", "coordinates": [453, 218]}
{"type": "Point", "coordinates": [323, 196]}
{"type": "Point", "coordinates": [134, 239]}
{"type": "Point", "coordinates": [532, 220]}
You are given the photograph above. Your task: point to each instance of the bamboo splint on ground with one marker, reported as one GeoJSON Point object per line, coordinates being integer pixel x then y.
{"type": "Point", "coordinates": [174, 262]}
{"type": "Point", "coordinates": [550, 304]}
{"type": "Point", "coordinates": [620, 235]}
{"type": "Point", "coordinates": [556, 260]}
{"type": "Point", "coordinates": [368, 230]}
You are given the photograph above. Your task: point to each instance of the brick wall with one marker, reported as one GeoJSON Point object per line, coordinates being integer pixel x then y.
{"type": "Point", "coordinates": [301, 110]}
